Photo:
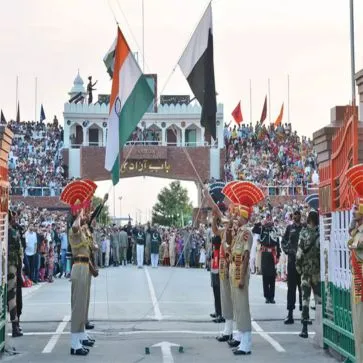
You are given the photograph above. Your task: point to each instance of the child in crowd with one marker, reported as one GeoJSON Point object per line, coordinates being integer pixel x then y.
{"type": "Point", "coordinates": [42, 249]}
{"type": "Point", "coordinates": [202, 257]}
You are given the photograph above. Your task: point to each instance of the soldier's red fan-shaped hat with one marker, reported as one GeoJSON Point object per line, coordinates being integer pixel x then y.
{"type": "Point", "coordinates": [78, 194]}
{"type": "Point", "coordinates": [246, 195]}
{"type": "Point", "coordinates": [355, 178]}
{"type": "Point", "coordinates": [227, 191]}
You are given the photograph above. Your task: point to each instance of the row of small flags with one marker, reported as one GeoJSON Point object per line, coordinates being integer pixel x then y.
{"type": "Point", "coordinates": [238, 118]}
{"type": "Point", "coordinates": [3, 119]}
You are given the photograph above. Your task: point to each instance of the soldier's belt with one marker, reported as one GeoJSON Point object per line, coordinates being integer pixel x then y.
{"type": "Point", "coordinates": [81, 259]}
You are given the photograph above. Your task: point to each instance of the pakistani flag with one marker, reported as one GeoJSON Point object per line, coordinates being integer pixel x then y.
{"type": "Point", "coordinates": [131, 96]}
{"type": "Point", "coordinates": [197, 65]}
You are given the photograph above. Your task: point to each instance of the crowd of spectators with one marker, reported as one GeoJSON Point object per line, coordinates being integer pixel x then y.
{"type": "Point", "coordinates": [35, 159]}
{"type": "Point", "coordinates": [45, 243]}
{"type": "Point", "coordinates": [276, 158]}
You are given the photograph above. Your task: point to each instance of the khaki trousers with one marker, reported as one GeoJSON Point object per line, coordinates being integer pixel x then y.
{"type": "Point", "coordinates": [80, 277]}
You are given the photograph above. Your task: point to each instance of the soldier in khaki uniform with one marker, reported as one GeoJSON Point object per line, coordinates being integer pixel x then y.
{"type": "Point", "coordinates": [355, 244]}
{"type": "Point", "coordinates": [78, 195]}
{"type": "Point", "coordinates": [222, 227]}
{"type": "Point", "coordinates": [245, 196]}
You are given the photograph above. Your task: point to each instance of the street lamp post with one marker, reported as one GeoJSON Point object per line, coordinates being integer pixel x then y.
{"type": "Point", "coordinates": [120, 199]}
{"type": "Point", "coordinates": [352, 49]}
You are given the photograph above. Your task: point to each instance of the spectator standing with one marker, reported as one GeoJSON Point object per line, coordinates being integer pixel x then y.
{"type": "Point", "coordinates": [123, 246]}
{"type": "Point", "coordinates": [31, 242]}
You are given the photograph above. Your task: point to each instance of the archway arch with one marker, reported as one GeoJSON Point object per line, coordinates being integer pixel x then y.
{"type": "Point", "coordinates": [174, 135]}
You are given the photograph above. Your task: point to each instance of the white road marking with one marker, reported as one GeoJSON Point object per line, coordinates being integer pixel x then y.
{"type": "Point", "coordinates": [166, 351]}
{"type": "Point", "coordinates": [154, 300]}
{"type": "Point", "coordinates": [26, 292]}
{"type": "Point", "coordinates": [267, 337]}
{"type": "Point", "coordinates": [54, 339]}
{"type": "Point", "coordinates": [155, 332]}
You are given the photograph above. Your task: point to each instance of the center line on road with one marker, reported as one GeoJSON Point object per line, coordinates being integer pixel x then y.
{"type": "Point", "coordinates": [154, 300]}
{"type": "Point", "coordinates": [267, 337]}
{"type": "Point", "coordinates": [54, 339]}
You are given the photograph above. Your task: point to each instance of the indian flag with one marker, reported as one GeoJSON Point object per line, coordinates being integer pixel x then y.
{"type": "Point", "coordinates": [131, 96]}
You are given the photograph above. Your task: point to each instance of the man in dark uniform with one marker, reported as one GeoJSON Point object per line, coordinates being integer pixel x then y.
{"type": "Point", "coordinates": [140, 238]}
{"type": "Point", "coordinates": [289, 245]}
{"type": "Point", "coordinates": [270, 254]}
{"type": "Point", "coordinates": [216, 244]}
{"type": "Point", "coordinates": [14, 264]}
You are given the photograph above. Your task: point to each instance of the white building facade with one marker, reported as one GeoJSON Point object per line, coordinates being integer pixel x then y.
{"type": "Point", "coordinates": [174, 125]}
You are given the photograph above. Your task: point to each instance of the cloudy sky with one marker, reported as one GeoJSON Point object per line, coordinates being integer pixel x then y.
{"type": "Point", "coordinates": [257, 40]}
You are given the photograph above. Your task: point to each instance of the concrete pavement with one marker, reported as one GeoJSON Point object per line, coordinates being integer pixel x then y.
{"type": "Point", "coordinates": [136, 310]}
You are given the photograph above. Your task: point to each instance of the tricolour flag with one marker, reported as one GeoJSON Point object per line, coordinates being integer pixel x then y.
{"type": "Point", "coordinates": [42, 114]}
{"type": "Point", "coordinates": [264, 112]}
{"type": "Point", "coordinates": [197, 65]}
{"type": "Point", "coordinates": [237, 114]}
{"type": "Point", "coordinates": [280, 116]}
{"type": "Point", "coordinates": [131, 95]}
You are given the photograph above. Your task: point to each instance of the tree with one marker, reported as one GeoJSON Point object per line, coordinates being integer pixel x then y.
{"type": "Point", "coordinates": [104, 217]}
{"type": "Point", "coordinates": [173, 206]}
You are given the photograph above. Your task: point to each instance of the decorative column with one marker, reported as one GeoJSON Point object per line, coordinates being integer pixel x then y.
{"type": "Point", "coordinates": [163, 136]}
{"type": "Point", "coordinates": [182, 137]}
{"type": "Point", "coordinates": [202, 135]}
{"type": "Point", "coordinates": [85, 137]}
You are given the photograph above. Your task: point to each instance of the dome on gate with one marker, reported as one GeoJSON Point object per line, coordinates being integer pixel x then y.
{"type": "Point", "coordinates": [77, 85]}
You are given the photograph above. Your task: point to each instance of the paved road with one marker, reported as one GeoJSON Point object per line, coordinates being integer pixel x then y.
{"type": "Point", "coordinates": [136, 309]}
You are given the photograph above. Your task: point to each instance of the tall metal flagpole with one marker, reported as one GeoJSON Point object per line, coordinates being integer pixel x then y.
{"type": "Point", "coordinates": [269, 101]}
{"type": "Point", "coordinates": [36, 96]}
{"type": "Point", "coordinates": [16, 94]}
{"type": "Point", "coordinates": [143, 37]}
{"type": "Point", "coordinates": [288, 98]}
{"type": "Point", "coordinates": [352, 49]}
{"type": "Point", "coordinates": [251, 102]}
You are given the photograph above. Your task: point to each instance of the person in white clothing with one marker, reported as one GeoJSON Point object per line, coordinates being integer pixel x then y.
{"type": "Point", "coordinates": [31, 242]}
{"type": "Point", "coordinates": [140, 238]}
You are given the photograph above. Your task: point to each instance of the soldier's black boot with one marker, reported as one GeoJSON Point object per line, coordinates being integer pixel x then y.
{"type": "Point", "coordinates": [16, 331]}
{"type": "Point", "coordinates": [304, 331]}
{"type": "Point", "coordinates": [290, 318]}
{"type": "Point", "coordinates": [20, 328]}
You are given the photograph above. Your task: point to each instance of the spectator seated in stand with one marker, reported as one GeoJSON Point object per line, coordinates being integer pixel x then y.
{"type": "Point", "coordinates": [276, 158]}
{"type": "Point", "coordinates": [35, 159]}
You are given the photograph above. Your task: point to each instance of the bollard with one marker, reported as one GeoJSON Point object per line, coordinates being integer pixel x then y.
{"type": "Point", "coordinates": [147, 350]}
{"type": "Point", "coordinates": [181, 349]}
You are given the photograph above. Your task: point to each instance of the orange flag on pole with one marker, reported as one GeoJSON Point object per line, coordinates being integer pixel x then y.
{"type": "Point", "coordinates": [280, 116]}
{"type": "Point", "coordinates": [237, 113]}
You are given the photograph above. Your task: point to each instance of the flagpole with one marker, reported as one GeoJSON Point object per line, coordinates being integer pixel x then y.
{"type": "Point", "coordinates": [16, 94]}
{"type": "Point", "coordinates": [143, 37]}
{"type": "Point", "coordinates": [288, 98]}
{"type": "Point", "coordinates": [352, 49]}
{"type": "Point", "coordinates": [269, 101]}
{"type": "Point", "coordinates": [250, 101]}
{"type": "Point", "coordinates": [36, 91]}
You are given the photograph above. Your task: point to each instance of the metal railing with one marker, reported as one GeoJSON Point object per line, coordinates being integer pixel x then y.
{"type": "Point", "coordinates": [289, 190]}
{"type": "Point", "coordinates": [36, 191]}
{"type": "Point", "coordinates": [146, 143]}
{"type": "Point", "coordinates": [269, 190]}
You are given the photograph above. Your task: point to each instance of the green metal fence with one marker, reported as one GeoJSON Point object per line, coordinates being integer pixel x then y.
{"type": "Point", "coordinates": [3, 297]}
{"type": "Point", "coordinates": [336, 277]}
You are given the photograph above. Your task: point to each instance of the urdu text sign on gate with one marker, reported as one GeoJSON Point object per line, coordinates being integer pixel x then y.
{"type": "Point", "coordinates": [145, 159]}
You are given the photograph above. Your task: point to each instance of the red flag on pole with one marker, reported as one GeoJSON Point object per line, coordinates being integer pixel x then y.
{"type": "Point", "coordinates": [264, 111]}
{"type": "Point", "coordinates": [237, 114]}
